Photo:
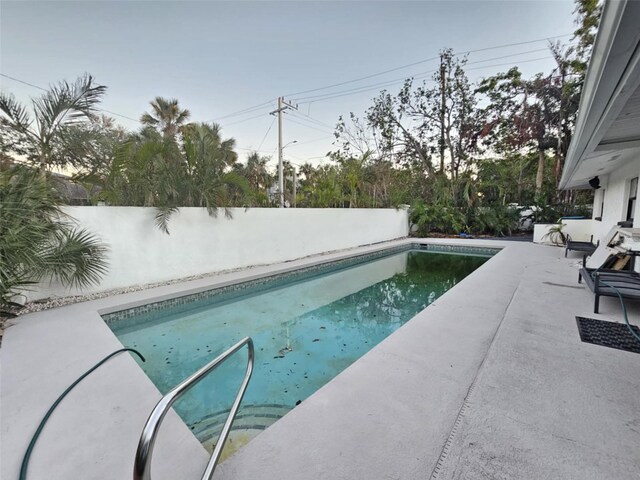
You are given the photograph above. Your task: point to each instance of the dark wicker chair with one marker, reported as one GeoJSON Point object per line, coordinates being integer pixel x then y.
{"type": "Point", "coordinates": [602, 281]}
{"type": "Point", "coordinates": [586, 247]}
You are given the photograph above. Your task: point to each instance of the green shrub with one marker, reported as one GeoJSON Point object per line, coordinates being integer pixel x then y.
{"type": "Point", "coordinates": [38, 241]}
{"type": "Point", "coordinates": [437, 218]}
{"type": "Point", "coordinates": [498, 220]}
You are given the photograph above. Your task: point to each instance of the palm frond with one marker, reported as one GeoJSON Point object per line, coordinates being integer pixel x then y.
{"type": "Point", "coordinates": [77, 259]}
{"type": "Point", "coordinates": [67, 103]}
{"type": "Point", "coordinates": [163, 215]}
{"type": "Point", "coordinates": [147, 119]}
{"type": "Point", "coordinates": [37, 239]}
{"type": "Point", "coordinates": [166, 116]}
{"type": "Point", "coordinates": [15, 114]}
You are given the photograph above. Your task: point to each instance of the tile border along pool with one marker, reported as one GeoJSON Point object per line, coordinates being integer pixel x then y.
{"type": "Point", "coordinates": [389, 415]}
{"type": "Point", "coordinates": [229, 292]}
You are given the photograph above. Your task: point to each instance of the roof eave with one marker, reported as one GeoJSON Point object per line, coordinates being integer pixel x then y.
{"type": "Point", "coordinates": [603, 96]}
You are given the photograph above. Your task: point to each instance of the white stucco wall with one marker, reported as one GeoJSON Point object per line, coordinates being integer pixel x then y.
{"type": "Point", "coordinates": [579, 230]}
{"type": "Point", "coordinates": [198, 243]}
{"type": "Point", "coordinates": [616, 191]}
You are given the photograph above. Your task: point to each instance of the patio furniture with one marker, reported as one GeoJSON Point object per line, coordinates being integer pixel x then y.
{"type": "Point", "coordinates": [613, 263]}
{"type": "Point", "coordinates": [587, 247]}
{"type": "Point", "coordinates": [605, 281]}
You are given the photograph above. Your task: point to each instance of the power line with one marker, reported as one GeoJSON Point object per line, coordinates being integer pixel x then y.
{"type": "Point", "coordinates": [268, 130]}
{"type": "Point", "coordinates": [244, 110]}
{"type": "Point", "coordinates": [365, 77]}
{"type": "Point", "coordinates": [331, 95]}
{"type": "Point", "coordinates": [516, 44]}
{"type": "Point", "coordinates": [510, 63]}
{"type": "Point", "coordinates": [427, 60]}
{"type": "Point", "coordinates": [119, 115]}
{"type": "Point", "coordinates": [387, 83]}
{"type": "Point", "coordinates": [254, 150]}
{"type": "Point", "coordinates": [245, 120]}
{"type": "Point", "coordinates": [134, 119]}
{"type": "Point", "coordinates": [22, 81]}
{"type": "Point", "coordinates": [364, 88]}
{"type": "Point", "coordinates": [311, 119]}
{"type": "Point", "coordinates": [290, 155]}
{"type": "Point", "coordinates": [312, 140]}
{"type": "Point", "coordinates": [309, 126]}
{"type": "Point", "coordinates": [45, 90]}
{"type": "Point", "coordinates": [507, 56]}
{"type": "Point", "coordinates": [353, 91]}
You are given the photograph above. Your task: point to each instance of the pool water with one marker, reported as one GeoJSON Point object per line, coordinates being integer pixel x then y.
{"type": "Point", "coordinates": [305, 333]}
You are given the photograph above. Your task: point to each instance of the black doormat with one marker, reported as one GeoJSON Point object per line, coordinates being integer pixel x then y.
{"type": "Point", "coordinates": [608, 334]}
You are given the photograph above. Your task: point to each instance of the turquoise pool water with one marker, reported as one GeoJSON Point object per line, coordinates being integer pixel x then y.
{"type": "Point", "coordinates": [305, 332]}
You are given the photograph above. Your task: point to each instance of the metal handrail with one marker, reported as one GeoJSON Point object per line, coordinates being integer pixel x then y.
{"type": "Point", "coordinates": [142, 465]}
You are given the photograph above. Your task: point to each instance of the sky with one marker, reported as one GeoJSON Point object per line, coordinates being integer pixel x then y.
{"type": "Point", "coordinates": [220, 58]}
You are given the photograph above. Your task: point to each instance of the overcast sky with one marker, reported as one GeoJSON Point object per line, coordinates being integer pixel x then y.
{"type": "Point", "coordinates": [218, 58]}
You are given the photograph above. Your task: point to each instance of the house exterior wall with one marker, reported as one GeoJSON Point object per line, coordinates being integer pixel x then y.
{"type": "Point", "coordinates": [615, 190]}
{"type": "Point", "coordinates": [140, 253]}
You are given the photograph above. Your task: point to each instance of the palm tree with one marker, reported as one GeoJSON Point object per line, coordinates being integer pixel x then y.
{"type": "Point", "coordinates": [287, 172]}
{"type": "Point", "coordinates": [322, 186]}
{"type": "Point", "coordinates": [37, 136]}
{"type": "Point", "coordinates": [307, 170]}
{"type": "Point", "coordinates": [38, 241]}
{"type": "Point", "coordinates": [210, 180]}
{"type": "Point", "coordinates": [146, 171]}
{"type": "Point", "coordinates": [155, 170]}
{"type": "Point", "coordinates": [353, 174]}
{"type": "Point", "coordinates": [166, 116]}
{"type": "Point", "coordinates": [257, 173]}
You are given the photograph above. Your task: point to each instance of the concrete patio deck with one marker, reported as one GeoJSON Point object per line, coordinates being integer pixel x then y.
{"type": "Point", "coordinates": [491, 381]}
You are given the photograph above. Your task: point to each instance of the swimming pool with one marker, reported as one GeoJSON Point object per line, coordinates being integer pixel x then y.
{"type": "Point", "coordinates": [307, 327]}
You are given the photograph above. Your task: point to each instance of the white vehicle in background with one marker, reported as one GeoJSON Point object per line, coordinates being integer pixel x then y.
{"type": "Point", "coordinates": [527, 217]}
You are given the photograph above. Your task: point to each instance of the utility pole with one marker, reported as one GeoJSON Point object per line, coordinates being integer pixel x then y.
{"type": "Point", "coordinates": [282, 106]}
{"type": "Point", "coordinates": [280, 172]}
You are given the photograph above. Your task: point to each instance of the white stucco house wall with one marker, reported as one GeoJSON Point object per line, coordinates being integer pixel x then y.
{"type": "Point", "coordinates": [606, 143]}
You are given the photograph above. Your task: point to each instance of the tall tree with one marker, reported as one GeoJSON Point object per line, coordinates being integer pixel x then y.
{"type": "Point", "coordinates": [166, 116]}
{"type": "Point", "coordinates": [540, 112]}
{"type": "Point", "coordinates": [355, 136]}
{"type": "Point", "coordinates": [389, 119]}
{"type": "Point", "coordinates": [36, 134]}
{"type": "Point", "coordinates": [588, 14]}
{"type": "Point", "coordinates": [91, 148]}
{"type": "Point", "coordinates": [353, 172]}
{"type": "Point", "coordinates": [154, 169]}
{"type": "Point", "coordinates": [521, 114]}
{"type": "Point", "coordinates": [257, 172]}
{"type": "Point", "coordinates": [321, 187]}
{"type": "Point", "coordinates": [434, 118]}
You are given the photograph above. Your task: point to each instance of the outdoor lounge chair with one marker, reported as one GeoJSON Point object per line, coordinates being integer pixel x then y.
{"type": "Point", "coordinates": [616, 272]}
{"type": "Point", "coordinates": [587, 247]}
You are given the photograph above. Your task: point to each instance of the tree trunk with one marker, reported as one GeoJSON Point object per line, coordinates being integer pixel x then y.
{"type": "Point", "coordinates": [558, 171]}
{"type": "Point", "coordinates": [540, 172]}
{"type": "Point", "coordinates": [559, 155]}
{"type": "Point", "coordinates": [443, 107]}
{"type": "Point", "coordinates": [416, 145]}
{"type": "Point", "coordinates": [519, 186]}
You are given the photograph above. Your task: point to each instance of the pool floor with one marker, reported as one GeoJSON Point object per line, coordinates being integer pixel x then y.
{"type": "Point", "coordinates": [304, 333]}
